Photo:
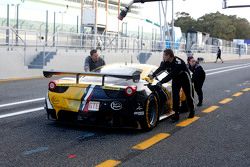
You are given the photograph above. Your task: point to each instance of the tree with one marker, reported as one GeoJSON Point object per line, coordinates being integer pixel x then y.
{"type": "Point", "coordinates": [185, 21]}
{"type": "Point", "coordinates": [216, 24]}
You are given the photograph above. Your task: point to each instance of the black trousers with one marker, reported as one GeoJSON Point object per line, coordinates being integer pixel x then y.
{"type": "Point", "coordinates": [198, 89]}
{"type": "Point", "coordinates": [184, 82]}
{"type": "Point", "coordinates": [218, 57]}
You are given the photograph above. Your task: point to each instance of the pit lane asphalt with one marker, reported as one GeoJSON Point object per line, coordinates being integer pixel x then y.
{"type": "Point", "coordinates": [220, 138]}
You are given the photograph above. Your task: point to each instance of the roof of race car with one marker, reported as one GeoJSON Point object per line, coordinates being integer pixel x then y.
{"type": "Point", "coordinates": [121, 67]}
{"type": "Point", "coordinates": [117, 68]}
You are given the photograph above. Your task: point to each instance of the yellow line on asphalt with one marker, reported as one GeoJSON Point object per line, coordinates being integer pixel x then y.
{"type": "Point", "coordinates": [246, 89]}
{"type": "Point", "coordinates": [151, 141]}
{"type": "Point", "coordinates": [187, 122]}
{"type": "Point", "coordinates": [109, 163]}
{"type": "Point", "coordinates": [210, 109]}
{"type": "Point", "coordinates": [226, 100]}
{"type": "Point", "coordinates": [237, 94]}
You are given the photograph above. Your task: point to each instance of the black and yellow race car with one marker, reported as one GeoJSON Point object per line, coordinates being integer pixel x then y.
{"type": "Point", "coordinates": [114, 95]}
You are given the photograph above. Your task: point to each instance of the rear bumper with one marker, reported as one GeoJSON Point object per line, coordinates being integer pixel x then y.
{"type": "Point", "coordinates": [125, 117]}
{"type": "Point", "coordinates": [119, 111]}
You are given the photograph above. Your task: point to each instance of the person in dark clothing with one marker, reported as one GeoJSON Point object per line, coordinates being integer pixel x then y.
{"type": "Point", "coordinates": [93, 61]}
{"type": "Point", "coordinates": [180, 76]}
{"type": "Point", "coordinates": [218, 55]}
{"type": "Point", "coordinates": [198, 78]}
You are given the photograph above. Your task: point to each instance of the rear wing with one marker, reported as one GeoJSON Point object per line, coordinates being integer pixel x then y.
{"type": "Point", "coordinates": [135, 76]}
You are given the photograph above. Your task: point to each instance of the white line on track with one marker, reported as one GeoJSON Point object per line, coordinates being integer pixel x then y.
{"type": "Point", "coordinates": [217, 72]}
{"type": "Point", "coordinates": [239, 65]}
{"type": "Point", "coordinates": [21, 112]}
{"type": "Point", "coordinates": [21, 102]}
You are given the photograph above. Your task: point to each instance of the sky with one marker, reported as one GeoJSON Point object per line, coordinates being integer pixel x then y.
{"type": "Point", "coordinates": [150, 10]}
{"type": "Point", "coordinates": [196, 8]}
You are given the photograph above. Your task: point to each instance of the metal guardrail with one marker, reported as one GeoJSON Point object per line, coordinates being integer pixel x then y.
{"type": "Point", "coordinates": [12, 38]}
{"type": "Point", "coordinates": [77, 40]}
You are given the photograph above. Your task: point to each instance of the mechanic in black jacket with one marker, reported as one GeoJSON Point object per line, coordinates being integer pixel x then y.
{"type": "Point", "coordinates": [198, 77]}
{"type": "Point", "coordinates": [93, 61]}
{"type": "Point", "coordinates": [180, 76]}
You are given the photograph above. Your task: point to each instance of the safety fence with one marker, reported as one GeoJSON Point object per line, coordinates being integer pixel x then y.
{"type": "Point", "coordinates": [11, 39]}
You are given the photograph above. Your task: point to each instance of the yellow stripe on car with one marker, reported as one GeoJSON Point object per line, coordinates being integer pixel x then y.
{"type": "Point", "coordinates": [69, 100]}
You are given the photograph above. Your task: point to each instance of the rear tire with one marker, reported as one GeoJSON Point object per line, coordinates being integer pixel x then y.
{"type": "Point", "coordinates": [151, 115]}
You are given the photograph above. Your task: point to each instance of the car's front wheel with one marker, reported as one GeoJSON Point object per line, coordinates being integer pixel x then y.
{"type": "Point", "coordinates": [151, 115]}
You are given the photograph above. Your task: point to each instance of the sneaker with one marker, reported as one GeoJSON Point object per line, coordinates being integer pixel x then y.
{"type": "Point", "coordinates": [191, 114]}
{"type": "Point", "coordinates": [175, 118]}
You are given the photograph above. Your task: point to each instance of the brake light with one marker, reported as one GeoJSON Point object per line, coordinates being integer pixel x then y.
{"type": "Point", "coordinates": [130, 90]}
{"type": "Point", "coordinates": [52, 85]}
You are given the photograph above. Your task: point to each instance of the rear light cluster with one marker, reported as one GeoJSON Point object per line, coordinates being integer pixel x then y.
{"type": "Point", "coordinates": [130, 90]}
{"type": "Point", "coordinates": [52, 85]}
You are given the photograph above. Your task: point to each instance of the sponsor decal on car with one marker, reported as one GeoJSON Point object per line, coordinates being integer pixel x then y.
{"type": "Point", "coordinates": [55, 100]}
{"type": "Point", "coordinates": [139, 113]}
{"type": "Point", "coordinates": [116, 105]}
{"type": "Point", "coordinates": [139, 108]}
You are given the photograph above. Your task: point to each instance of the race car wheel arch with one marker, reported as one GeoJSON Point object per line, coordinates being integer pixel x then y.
{"type": "Point", "coordinates": [151, 115]}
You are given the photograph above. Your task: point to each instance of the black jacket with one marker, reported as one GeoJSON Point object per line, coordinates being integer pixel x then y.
{"type": "Point", "coordinates": [198, 73]}
{"type": "Point", "coordinates": [175, 69]}
{"type": "Point", "coordinates": [90, 65]}
{"type": "Point", "coordinates": [219, 52]}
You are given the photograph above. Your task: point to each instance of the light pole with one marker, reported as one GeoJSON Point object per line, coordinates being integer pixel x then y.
{"type": "Point", "coordinates": [62, 15]}
{"type": "Point", "coordinates": [173, 32]}
{"type": "Point", "coordinates": [8, 24]}
{"type": "Point", "coordinates": [81, 17]}
{"type": "Point", "coordinates": [16, 26]}
{"type": "Point", "coordinates": [95, 3]}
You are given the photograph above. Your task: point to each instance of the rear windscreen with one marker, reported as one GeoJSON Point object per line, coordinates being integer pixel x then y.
{"type": "Point", "coordinates": [119, 70]}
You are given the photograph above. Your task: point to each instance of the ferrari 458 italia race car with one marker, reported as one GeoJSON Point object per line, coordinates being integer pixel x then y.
{"type": "Point", "coordinates": [114, 95]}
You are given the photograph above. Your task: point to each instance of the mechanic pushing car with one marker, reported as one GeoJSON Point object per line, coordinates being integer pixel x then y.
{"type": "Point", "coordinates": [180, 76]}
{"type": "Point", "coordinates": [198, 77]}
{"type": "Point", "coordinates": [93, 61]}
